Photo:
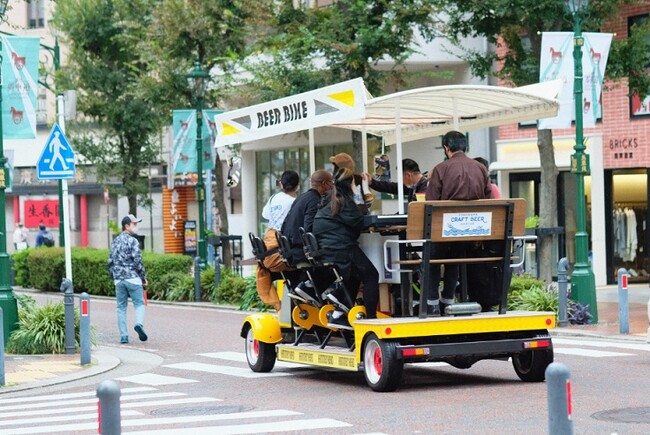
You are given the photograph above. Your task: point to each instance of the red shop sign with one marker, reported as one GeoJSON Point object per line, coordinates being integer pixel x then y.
{"type": "Point", "coordinates": [46, 211]}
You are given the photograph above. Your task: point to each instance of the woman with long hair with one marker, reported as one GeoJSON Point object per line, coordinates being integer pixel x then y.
{"type": "Point", "coordinates": [337, 227]}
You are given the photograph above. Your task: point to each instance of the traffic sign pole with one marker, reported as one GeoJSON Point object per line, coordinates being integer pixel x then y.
{"type": "Point", "coordinates": [66, 205]}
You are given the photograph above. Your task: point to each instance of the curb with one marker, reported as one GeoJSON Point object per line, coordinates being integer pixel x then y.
{"type": "Point", "coordinates": [565, 332]}
{"type": "Point", "coordinates": [102, 363]}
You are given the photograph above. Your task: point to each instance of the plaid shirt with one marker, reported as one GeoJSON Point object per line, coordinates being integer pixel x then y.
{"type": "Point", "coordinates": [125, 259]}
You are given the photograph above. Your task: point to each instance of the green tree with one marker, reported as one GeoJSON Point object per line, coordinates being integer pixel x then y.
{"type": "Point", "coordinates": [216, 33]}
{"type": "Point", "coordinates": [516, 26]}
{"type": "Point", "coordinates": [313, 47]}
{"type": "Point", "coordinates": [118, 134]}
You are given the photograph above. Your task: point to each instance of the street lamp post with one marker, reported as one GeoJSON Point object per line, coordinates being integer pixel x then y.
{"type": "Point", "coordinates": [583, 285]}
{"type": "Point", "coordinates": [197, 80]}
{"type": "Point", "coordinates": [7, 298]}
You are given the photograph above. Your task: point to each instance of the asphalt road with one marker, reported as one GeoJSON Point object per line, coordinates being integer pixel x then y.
{"type": "Point", "coordinates": [191, 375]}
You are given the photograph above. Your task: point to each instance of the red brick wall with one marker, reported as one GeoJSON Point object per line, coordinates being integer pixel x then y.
{"type": "Point", "coordinates": [626, 140]}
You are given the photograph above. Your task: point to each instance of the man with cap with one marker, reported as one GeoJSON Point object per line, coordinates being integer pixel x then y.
{"type": "Point", "coordinates": [126, 269]}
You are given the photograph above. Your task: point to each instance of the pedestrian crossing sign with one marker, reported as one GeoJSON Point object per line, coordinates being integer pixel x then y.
{"type": "Point", "coordinates": [57, 158]}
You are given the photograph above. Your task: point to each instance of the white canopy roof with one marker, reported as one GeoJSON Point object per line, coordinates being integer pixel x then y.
{"type": "Point", "coordinates": [433, 111]}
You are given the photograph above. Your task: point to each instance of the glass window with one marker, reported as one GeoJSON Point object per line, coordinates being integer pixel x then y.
{"type": "Point", "coordinates": [36, 14]}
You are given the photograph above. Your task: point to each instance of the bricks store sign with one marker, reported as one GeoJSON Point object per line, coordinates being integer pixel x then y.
{"type": "Point", "coordinates": [625, 148]}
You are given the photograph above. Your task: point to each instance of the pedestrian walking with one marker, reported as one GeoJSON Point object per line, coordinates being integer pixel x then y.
{"type": "Point", "coordinates": [126, 269]}
{"type": "Point", "coordinates": [20, 237]}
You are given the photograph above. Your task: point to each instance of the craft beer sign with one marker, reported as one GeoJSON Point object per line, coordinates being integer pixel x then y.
{"type": "Point", "coordinates": [466, 224]}
{"type": "Point", "coordinates": [325, 106]}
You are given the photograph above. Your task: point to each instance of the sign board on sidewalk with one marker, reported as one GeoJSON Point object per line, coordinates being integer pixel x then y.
{"type": "Point", "coordinates": [57, 158]}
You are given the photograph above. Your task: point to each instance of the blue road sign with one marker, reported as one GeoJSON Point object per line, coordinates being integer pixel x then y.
{"type": "Point", "coordinates": [57, 159]}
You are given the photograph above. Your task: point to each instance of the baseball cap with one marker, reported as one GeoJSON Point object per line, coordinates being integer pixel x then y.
{"type": "Point", "coordinates": [130, 219]}
{"type": "Point", "coordinates": [343, 160]}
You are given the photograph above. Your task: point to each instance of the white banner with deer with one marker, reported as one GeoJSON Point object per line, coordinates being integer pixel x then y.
{"type": "Point", "coordinates": [556, 61]}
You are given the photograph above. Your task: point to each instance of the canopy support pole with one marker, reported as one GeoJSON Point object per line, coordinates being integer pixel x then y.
{"type": "Point", "coordinates": [312, 152]}
{"type": "Point", "coordinates": [398, 144]}
{"type": "Point", "coordinates": [455, 107]}
{"type": "Point", "coordinates": [364, 149]}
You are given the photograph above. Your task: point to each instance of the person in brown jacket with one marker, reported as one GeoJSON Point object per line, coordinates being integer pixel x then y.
{"type": "Point", "coordinates": [459, 178]}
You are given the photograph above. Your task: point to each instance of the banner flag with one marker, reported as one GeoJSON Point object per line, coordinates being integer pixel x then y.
{"type": "Point", "coordinates": [20, 86]}
{"type": "Point", "coordinates": [325, 106]}
{"type": "Point", "coordinates": [184, 145]}
{"type": "Point", "coordinates": [557, 62]}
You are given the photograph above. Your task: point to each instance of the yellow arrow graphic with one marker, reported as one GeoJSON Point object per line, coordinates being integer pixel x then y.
{"type": "Point", "coordinates": [345, 97]}
{"type": "Point", "coordinates": [227, 129]}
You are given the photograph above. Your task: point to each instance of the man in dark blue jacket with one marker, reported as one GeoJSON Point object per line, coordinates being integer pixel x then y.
{"type": "Point", "coordinates": [302, 212]}
{"type": "Point", "coordinates": [414, 181]}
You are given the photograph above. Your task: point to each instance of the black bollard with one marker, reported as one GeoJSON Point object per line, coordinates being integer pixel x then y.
{"type": "Point", "coordinates": [68, 304]}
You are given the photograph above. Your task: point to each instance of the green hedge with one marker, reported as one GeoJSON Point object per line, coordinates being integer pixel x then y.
{"type": "Point", "coordinates": [44, 268]}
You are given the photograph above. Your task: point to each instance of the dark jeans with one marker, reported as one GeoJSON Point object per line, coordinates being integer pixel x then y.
{"type": "Point", "coordinates": [445, 250]}
{"type": "Point", "coordinates": [354, 267]}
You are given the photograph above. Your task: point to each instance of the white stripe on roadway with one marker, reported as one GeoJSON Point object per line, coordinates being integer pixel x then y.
{"type": "Point", "coordinates": [589, 352]}
{"type": "Point", "coordinates": [122, 406]}
{"type": "Point", "coordinates": [224, 370]}
{"type": "Point", "coordinates": [154, 379]}
{"type": "Point", "coordinates": [150, 422]}
{"type": "Point", "coordinates": [278, 426]}
{"type": "Point", "coordinates": [72, 395]}
{"type": "Point", "coordinates": [93, 416]}
{"type": "Point", "coordinates": [241, 357]}
{"type": "Point", "coordinates": [596, 343]}
{"type": "Point", "coordinates": [87, 401]}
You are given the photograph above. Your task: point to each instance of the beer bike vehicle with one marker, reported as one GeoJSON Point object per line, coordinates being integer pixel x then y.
{"type": "Point", "coordinates": [303, 331]}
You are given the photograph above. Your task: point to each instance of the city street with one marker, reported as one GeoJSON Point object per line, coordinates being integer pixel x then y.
{"type": "Point", "coordinates": [192, 377]}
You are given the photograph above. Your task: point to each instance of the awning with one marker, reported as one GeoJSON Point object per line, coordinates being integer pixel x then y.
{"type": "Point", "coordinates": [433, 111]}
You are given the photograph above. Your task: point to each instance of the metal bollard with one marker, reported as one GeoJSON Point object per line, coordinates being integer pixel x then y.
{"type": "Point", "coordinates": [197, 279]}
{"type": "Point", "coordinates": [623, 305]}
{"type": "Point", "coordinates": [559, 399]}
{"type": "Point", "coordinates": [562, 267]}
{"type": "Point", "coordinates": [217, 269]}
{"type": "Point", "coordinates": [84, 328]}
{"type": "Point", "coordinates": [2, 350]}
{"type": "Point", "coordinates": [108, 393]}
{"type": "Point", "coordinates": [68, 304]}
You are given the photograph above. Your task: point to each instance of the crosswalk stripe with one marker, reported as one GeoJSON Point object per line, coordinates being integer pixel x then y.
{"type": "Point", "coordinates": [596, 343]}
{"type": "Point", "coordinates": [278, 426]}
{"type": "Point", "coordinates": [241, 357]}
{"type": "Point", "coordinates": [59, 418]}
{"type": "Point", "coordinates": [66, 410]}
{"type": "Point", "coordinates": [155, 379]}
{"type": "Point", "coordinates": [71, 395]}
{"type": "Point", "coordinates": [87, 401]}
{"type": "Point", "coordinates": [159, 421]}
{"type": "Point", "coordinates": [589, 352]}
{"type": "Point", "coordinates": [224, 370]}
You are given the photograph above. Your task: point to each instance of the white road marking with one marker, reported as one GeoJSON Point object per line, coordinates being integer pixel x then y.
{"type": "Point", "coordinates": [278, 426]}
{"type": "Point", "coordinates": [241, 357]}
{"type": "Point", "coordinates": [154, 379]}
{"type": "Point", "coordinates": [596, 343]}
{"type": "Point", "coordinates": [589, 352]}
{"type": "Point", "coordinates": [71, 395]}
{"type": "Point", "coordinates": [54, 419]}
{"type": "Point", "coordinates": [224, 370]}
{"type": "Point", "coordinates": [164, 421]}
{"type": "Point", "coordinates": [88, 401]}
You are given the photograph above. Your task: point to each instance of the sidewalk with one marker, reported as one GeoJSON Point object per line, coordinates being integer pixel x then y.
{"type": "Point", "coordinates": [23, 372]}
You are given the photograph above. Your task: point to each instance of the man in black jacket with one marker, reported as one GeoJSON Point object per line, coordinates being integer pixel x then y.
{"type": "Point", "coordinates": [302, 212]}
{"type": "Point", "coordinates": [414, 181]}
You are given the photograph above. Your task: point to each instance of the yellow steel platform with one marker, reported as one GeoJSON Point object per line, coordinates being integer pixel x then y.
{"type": "Point", "coordinates": [335, 357]}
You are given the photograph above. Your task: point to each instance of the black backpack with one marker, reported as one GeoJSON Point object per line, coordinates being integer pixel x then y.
{"type": "Point", "coordinates": [48, 239]}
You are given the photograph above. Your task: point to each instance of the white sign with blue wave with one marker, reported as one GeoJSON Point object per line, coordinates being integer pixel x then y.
{"type": "Point", "coordinates": [466, 224]}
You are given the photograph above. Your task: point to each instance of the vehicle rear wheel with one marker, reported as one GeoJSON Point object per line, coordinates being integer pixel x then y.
{"type": "Point", "coordinates": [531, 366]}
{"type": "Point", "coordinates": [260, 355]}
{"type": "Point", "coordinates": [382, 369]}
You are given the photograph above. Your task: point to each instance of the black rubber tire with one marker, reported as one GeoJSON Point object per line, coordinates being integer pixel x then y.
{"type": "Point", "coordinates": [531, 366]}
{"type": "Point", "coordinates": [260, 355]}
{"type": "Point", "coordinates": [382, 369]}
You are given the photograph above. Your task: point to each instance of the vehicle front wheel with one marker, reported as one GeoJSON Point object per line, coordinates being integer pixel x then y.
{"type": "Point", "coordinates": [382, 369]}
{"type": "Point", "coordinates": [531, 366]}
{"type": "Point", "coordinates": [260, 355]}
